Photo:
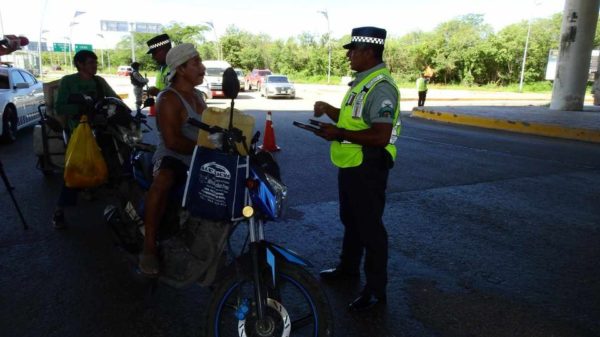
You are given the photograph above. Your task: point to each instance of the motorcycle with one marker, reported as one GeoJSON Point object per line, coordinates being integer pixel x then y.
{"type": "Point", "coordinates": [258, 289]}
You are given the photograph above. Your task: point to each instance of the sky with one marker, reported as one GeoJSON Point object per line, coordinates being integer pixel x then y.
{"type": "Point", "coordinates": [276, 18]}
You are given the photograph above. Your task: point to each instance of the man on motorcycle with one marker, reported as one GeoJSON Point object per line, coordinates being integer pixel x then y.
{"type": "Point", "coordinates": [85, 81]}
{"type": "Point", "coordinates": [177, 139]}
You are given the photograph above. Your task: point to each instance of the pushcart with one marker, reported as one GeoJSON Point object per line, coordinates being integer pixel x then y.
{"type": "Point", "coordinates": [49, 139]}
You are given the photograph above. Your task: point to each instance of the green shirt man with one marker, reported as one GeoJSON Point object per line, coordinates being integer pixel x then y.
{"type": "Point", "coordinates": [96, 87]}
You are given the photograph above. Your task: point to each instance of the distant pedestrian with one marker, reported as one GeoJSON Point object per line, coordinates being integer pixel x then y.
{"type": "Point", "coordinates": [422, 88]}
{"type": "Point", "coordinates": [138, 82]}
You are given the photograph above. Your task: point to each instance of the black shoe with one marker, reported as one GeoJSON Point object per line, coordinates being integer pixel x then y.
{"type": "Point", "coordinates": [58, 220]}
{"type": "Point", "coordinates": [366, 301]}
{"type": "Point", "coordinates": [336, 274]}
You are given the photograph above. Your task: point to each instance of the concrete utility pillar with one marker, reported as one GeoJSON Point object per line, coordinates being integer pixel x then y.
{"type": "Point", "coordinates": [576, 43]}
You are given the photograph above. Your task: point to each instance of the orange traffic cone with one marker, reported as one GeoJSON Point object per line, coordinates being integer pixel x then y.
{"type": "Point", "coordinates": [269, 138]}
{"type": "Point", "coordinates": [152, 111]}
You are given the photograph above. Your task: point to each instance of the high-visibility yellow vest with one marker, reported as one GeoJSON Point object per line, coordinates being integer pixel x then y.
{"type": "Point", "coordinates": [161, 77]}
{"type": "Point", "coordinates": [346, 154]}
{"type": "Point", "coordinates": [421, 84]}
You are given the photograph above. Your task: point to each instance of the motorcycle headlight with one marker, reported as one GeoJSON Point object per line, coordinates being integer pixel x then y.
{"type": "Point", "coordinates": [280, 191]}
{"type": "Point", "coordinates": [131, 135]}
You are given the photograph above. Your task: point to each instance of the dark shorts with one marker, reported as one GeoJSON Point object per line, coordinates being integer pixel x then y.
{"type": "Point", "coordinates": [173, 164]}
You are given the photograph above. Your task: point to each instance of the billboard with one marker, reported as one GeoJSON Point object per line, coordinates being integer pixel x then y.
{"type": "Point", "coordinates": [552, 65]}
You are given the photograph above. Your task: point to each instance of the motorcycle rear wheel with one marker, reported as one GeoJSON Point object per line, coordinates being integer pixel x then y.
{"type": "Point", "coordinates": [296, 306]}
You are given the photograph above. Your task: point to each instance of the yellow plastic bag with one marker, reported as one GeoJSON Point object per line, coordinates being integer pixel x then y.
{"type": "Point", "coordinates": [84, 165]}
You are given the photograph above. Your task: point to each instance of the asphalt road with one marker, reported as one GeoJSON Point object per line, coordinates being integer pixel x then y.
{"type": "Point", "coordinates": [491, 234]}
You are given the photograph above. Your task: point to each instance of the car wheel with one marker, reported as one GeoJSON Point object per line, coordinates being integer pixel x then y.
{"type": "Point", "coordinates": [9, 125]}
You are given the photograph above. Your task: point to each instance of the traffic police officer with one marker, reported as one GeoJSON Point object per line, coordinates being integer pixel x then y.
{"type": "Point", "coordinates": [159, 46]}
{"type": "Point", "coordinates": [362, 147]}
{"type": "Point", "coordinates": [422, 89]}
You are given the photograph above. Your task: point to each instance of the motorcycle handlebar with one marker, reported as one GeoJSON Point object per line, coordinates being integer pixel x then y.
{"type": "Point", "coordinates": [204, 126]}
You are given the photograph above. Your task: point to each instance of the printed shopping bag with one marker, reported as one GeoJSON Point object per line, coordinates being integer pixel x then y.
{"type": "Point", "coordinates": [216, 187]}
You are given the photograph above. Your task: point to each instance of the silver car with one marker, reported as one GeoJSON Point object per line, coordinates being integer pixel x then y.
{"type": "Point", "coordinates": [277, 86]}
{"type": "Point", "coordinates": [241, 78]}
{"type": "Point", "coordinates": [20, 95]}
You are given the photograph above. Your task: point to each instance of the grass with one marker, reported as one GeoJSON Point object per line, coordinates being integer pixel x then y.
{"type": "Point", "coordinates": [534, 87]}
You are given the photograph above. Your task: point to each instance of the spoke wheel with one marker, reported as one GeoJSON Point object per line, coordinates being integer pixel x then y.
{"type": "Point", "coordinates": [295, 307]}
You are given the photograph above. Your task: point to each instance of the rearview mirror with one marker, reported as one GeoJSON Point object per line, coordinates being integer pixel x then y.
{"type": "Point", "coordinates": [231, 83]}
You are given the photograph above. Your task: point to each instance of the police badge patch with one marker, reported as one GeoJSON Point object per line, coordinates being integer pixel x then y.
{"type": "Point", "coordinates": [387, 109]}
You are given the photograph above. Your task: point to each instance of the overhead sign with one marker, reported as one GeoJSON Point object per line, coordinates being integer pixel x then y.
{"type": "Point", "coordinates": [79, 47]}
{"type": "Point", "coordinates": [114, 26]}
{"type": "Point", "coordinates": [60, 46]}
{"type": "Point", "coordinates": [144, 27]}
{"type": "Point", "coordinates": [124, 26]}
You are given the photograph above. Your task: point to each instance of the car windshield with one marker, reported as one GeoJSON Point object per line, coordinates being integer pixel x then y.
{"type": "Point", "coordinates": [239, 73]}
{"type": "Point", "coordinates": [277, 79]}
{"type": "Point", "coordinates": [214, 71]}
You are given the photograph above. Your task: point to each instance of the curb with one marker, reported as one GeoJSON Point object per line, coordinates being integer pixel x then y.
{"type": "Point", "coordinates": [533, 128]}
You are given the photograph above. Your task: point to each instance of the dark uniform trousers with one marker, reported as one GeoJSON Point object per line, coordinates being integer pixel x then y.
{"type": "Point", "coordinates": [362, 201]}
{"type": "Point", "coordinates": [422, 97]}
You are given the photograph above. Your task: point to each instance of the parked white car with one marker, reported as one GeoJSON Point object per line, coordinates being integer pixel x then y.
{"type": "Point", "coordinates": [206, 93]}
{"type": "Point", "coordinates": [20, 95]}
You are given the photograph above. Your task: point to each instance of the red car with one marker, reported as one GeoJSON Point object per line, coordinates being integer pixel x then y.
{"type": "Point", "coordinates": [256, 78]}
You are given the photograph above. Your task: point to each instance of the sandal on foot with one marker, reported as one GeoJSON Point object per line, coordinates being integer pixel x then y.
{"type": "Point", "coordinates": [149, 265]}
{"type": "Point", "coordinates": [58, 220]}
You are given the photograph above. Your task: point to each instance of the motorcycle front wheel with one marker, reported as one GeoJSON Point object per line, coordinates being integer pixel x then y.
{"type": "Point", "coordinates": [296, 306]}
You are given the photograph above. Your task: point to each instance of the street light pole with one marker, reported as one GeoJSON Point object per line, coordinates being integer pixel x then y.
{"type": "Point", "coordinates": [524, 57]}
{"type": "Point", "coordinates": [102, 50]}
{"type": "Point", "coordinates": [537, 3]}
{"type": "Point", "coordinates": [73, 23]}
{"type": "Point", "coordinates": [219, 50]}
{"type": "Point", "coordinates": [326, 15]}
{"type": "Point", "coordinates": [132, 26]}
{"type": "Point", "coordinates": [67, 47]}
{"type": "Point", "coordinates": [39, 49]}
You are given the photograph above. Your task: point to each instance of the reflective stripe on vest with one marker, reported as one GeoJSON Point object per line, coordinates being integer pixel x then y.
{"type": "Point", "coordinates": [346, 154]}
